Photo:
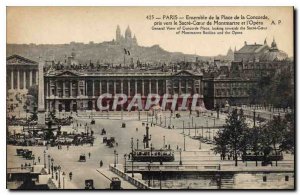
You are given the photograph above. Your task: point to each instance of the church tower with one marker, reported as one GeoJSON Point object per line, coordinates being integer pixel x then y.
{"type": "Point", "coordinates": [118, 34]}
{"type": "Point", "coordinates": [134, 40]}
{"type": "Point", "coordinates": [128, 34]}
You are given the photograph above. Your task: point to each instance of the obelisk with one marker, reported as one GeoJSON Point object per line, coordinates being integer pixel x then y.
{"type": "Point", "coordinates": [41, 101]}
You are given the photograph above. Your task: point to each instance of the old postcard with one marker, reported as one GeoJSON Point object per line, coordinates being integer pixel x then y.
{"type": "Point", "coordinates": [150, 98]}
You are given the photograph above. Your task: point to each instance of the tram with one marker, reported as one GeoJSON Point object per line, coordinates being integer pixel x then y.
{"type": "Point", "coordinates": [251, 156]}
{"type": "Point", "coordinates": [153, 155]}
{"type": "Point", "coordinates": [149, 153]}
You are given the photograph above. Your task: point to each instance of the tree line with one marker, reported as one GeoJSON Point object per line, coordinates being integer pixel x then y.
{"type": "Point", "coordinates": [236, 139]}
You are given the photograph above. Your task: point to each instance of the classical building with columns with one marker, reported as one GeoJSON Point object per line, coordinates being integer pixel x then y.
{"type": "Point", "coordinates": [21, 73]}
{"type": "Point", "coordinates": [71, 90]}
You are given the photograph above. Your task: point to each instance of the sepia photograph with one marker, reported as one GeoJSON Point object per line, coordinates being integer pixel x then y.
{"type": "Point", "coordinates": [150, 98]}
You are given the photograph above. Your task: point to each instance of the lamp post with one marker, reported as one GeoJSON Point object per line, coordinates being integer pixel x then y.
{"type": "Point", "coordinates": [44, 158]}
{"type": "Point", "coordinates": [183, 142]}
{"type": "Point", "coordinates": [165, 121]}
{"type": "Point", "coordinates": [254, 118]}
{"type": "Point", "coordinates": [48, 164]}
{"type": "Point", "coordinates": [125, 155]}
{"type": "Point", "coordinates": [52, 160]}
{"type": "Point", "coordinates": [164, 142]}
{"type": "Point", "coordinates": [117, 158]}
{"type": "Point", "coordinates": [137, 144]}
{"type": "Point", "coordinates": [115, 152]}
{"type": "Point", "coordinates": [160, 173]}
{"type": "Point", "coordinates": [180, 162]}
{"type": "Point", "coordinates": [147, 117]}
{"type": "Point", "coordinates": [149, 168]}
{"type": "Point", "coordinates": [58, 168]}
{"type": "Point", "coordinates": [160, 120]}
{"type": "Point", "coordinates": [132, 157]}
{"type": "Point", "coordinates": [63, 174]}
{"type": "Point", "coordinates": [182, 127]}
{"type": "Point", "coordinates": [192, 120]}
{"type": "Point", "coordinates": [33, 159]}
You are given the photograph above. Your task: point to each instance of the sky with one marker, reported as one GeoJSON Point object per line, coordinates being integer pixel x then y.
{"type": "Point", "coordinates": [57, 25]}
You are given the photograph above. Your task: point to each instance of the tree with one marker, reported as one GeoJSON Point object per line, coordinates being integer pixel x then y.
{"type": "Point", "coordinates": [275, 130]}
{"type": "Point", "coordinates": [277, 90]}
{"type": "Point", "coordinates": [231, 138]}
{"type": "Point", "coordinates": [254, 141]}
{"type": "Point", "coordinates": [288, 142]}
{"type": "Point", "coordinates": [220, 144]}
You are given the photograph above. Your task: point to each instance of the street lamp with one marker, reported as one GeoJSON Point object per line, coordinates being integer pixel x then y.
{"type": "Point", "coordinates": [117, 158]}
{"type": "Point", "coordinates": [63, 174]}
{"type": "Point", "coordinates": [33, 159]}
{"type": "Point", "coordinates": [164, 142]}
{"type": "Point", "coordinates": [44, 158]}
{"type": "Point", "coordinates": [58, 168]}
{"type": "Point", "coordinates": [125, 156]}
{"type": "Point", "coordinates": [160, 173]}
{"type": "Point", "coordinates": [52, 160]}
{"type": "Point", "coordinates": [115, 152]}
{"type": "Point", "coordinates": [132, 157]}
{"type": "Point", "coordinates": [183, 142]}
{"type": "Point", "coordinates": [182, 127]}
{"type": "Point", "coordinates": [137, 144]}
{"type": "Point", "coordinates": [147, 117]}
{"type": "Point", "coordinates": [48, 164]}
{"type": "Point", "coordinates": [160, 120]}
{"type": "Point", "coordinates": [149, 168]}
{"type": "Point", "coordinates": [180, 162]}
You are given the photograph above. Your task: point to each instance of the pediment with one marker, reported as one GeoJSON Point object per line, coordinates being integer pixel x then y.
{"type": "Point", "coordinates": [19, 60]}
{"type": "Point", "coordinates": [184, 73]}
{"type": "Point", "coordinates": [67, 74]}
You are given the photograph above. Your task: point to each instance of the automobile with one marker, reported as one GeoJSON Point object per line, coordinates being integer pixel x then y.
{"type": "Point", "coordinates": [93, 122]}
{"type": "Point", "coordinates": [82, 158]}
{"type": "Point", "coordinates": [104, 139]}
{"type": "Point", "coordinates": [109, 143]}
{"type": "Point", "coordinates": [20, 152]}
{"type": "Point", "coordinates": [28, 155]}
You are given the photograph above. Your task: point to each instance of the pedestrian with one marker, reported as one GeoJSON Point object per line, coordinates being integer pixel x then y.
{"type": "Point", "coordinates": [137, 129]}
{"type": "Point", "coordinates": [70, 176]}
{"type": "Point", "coordinates": [39, 159]}
{"type": "Point", "coordinates": [68, 147]}
{"type": "Point", "coordinates": [89, 155]}
{"type": "Point", "coordinates": [117, 144]}
{"type": "Point", "coordinates": [101, 163]}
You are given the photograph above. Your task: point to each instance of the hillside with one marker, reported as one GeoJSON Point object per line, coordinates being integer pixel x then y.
{"type": "Point", "coordinates": [106, 52]}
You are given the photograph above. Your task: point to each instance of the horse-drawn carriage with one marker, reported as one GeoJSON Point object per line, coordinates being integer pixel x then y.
{"type": "Point", "coordinates": [82, 158]}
